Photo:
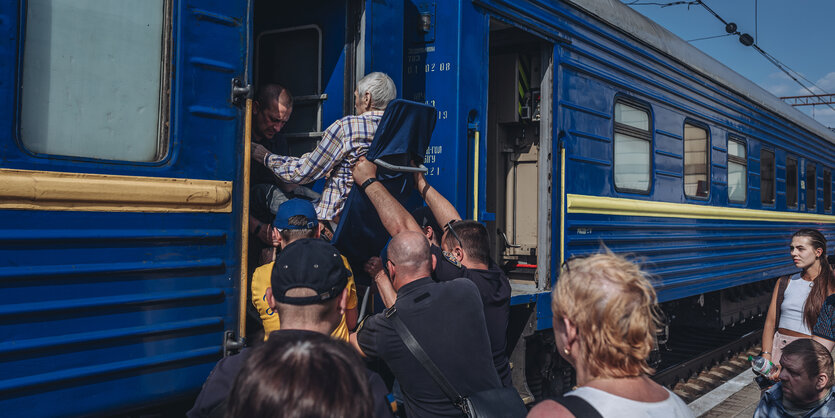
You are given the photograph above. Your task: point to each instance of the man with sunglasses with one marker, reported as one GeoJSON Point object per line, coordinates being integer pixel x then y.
{"type": "Point", "coordinates": [464, 252]}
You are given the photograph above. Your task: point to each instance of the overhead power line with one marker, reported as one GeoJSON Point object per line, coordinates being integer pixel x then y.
{"type": "Point", "coordinates": [747, 40]}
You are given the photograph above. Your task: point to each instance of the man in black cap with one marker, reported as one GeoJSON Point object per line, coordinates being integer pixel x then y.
{"type": "Point", "coordinates": [463, 251]}
{"type": "Point", "coordinates": [295, 220]}
{"type": "Point", "coordinates": [309, 292]}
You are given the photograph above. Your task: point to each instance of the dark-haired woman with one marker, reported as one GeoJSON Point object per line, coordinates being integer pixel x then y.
{"type": "Point", "coordinates": [797, 299]}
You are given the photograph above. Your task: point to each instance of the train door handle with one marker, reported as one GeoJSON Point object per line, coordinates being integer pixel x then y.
{"type": "Point", "coordinates": [239, 92]}
{"type": "Point", "coordinates": [507, 243]}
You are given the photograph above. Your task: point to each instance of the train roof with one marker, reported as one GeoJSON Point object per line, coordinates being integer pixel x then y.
{"type": "Point", "coordinates": [624, 18]}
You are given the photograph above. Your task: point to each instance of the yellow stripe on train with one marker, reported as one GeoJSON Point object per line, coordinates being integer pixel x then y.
{"type": "Point", "coordinates": [50, 190]}
{"type": "Point", "coordinates": [632, 207]}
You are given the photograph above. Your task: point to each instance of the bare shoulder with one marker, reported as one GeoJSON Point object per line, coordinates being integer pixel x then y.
{"type": "Point", "coordinates": [549, 409]}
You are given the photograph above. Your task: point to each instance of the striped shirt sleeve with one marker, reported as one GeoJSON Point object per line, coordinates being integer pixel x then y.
{"type": "Point", "coordinates": [313, 165]}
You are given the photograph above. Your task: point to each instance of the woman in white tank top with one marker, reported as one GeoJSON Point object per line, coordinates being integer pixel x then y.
{"type": "Point", "coordinates": [605, 316]}
{"type": "Point", "coordinates": [802, 297]}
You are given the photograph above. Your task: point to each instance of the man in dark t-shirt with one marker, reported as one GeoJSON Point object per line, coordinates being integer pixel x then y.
{"type": "Point", "coordinates": [466, 255]}
{"type": "Point", "coordinates": [445, 318]}
{"type": "Point", "coordinates": [461, 251]}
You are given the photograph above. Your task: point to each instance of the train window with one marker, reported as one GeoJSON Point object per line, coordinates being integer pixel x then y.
{"type": "Point", "coordinates": [811, 186]}
{"type": "Point", "coordinates": [632, 148]}
{"type": "Point", "coordinates": [827, 190]}
{"type": "Point", "coordinates": [791, 182]}
{"type": "Point", "coordinates": [93, 82]}
{"type": "Point", "coordinates": [767, 176]}
{"type": "Point", "coordinates": [737, 170]}
{"type": "Point", "coordinates": [696, 163]}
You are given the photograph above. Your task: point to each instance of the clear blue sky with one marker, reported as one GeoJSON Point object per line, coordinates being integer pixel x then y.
{"type": "Point", "coordinates": [799, 33]}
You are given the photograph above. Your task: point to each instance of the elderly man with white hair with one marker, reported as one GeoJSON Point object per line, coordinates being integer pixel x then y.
{"type": "Point", "coordinates": [341, 145]}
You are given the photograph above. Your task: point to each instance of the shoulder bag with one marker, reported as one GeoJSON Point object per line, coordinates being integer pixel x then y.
{"type": "Point", "coordinates": [493, 403]}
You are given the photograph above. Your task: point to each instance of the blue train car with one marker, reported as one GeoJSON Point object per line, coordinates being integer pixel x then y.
{"type": "Point", "coordinates": [562, 125]}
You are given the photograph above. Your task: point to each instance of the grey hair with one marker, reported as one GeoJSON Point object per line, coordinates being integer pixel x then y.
{"type": "Point", "coordinates": [380, 86]}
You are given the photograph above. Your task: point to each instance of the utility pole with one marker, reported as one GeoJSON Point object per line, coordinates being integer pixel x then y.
{"type": "Point", "coordinates": [810, 100]}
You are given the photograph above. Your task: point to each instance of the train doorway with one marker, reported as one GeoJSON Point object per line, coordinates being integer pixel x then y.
{"type": "Point", "coordinates": [519, 131]}
{"type": "Point", "coordinates": [310, 48]}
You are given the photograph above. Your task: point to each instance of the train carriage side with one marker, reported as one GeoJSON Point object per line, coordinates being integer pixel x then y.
{"type": "Point", "coordinates": [119, 205]}
{"type": "Point", "coordinates": [567, 125]}
{"type": "Point", "coordinates": [677, 160]}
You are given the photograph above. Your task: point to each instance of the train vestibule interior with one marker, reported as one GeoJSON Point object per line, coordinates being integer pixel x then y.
{"type": "Point", "coordinates": [518, 121]}
{"type": "Point", "coordinates": [310, 48]}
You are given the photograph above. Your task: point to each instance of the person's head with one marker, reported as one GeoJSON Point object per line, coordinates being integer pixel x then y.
{"type": "Point", "coordinates": [374, 92]}
{"type": "Point", "coordinates": [295, 220]}
{"type": "Point", "coordinates": [806, 375]}
{"type": "Point", "coordinates": [271, 110]}
{"type": "Point", "coordinates": [426, 220]}
{"type": "Point", "coordinates": [808, 251]}
{"type": "Point", "coordinates": [408, 257]}
{"type": "Point", "coordinates": [308, 286]}
{"type": "Point", "coordinates": [605, 312]}
{"type": "Point", "coordinates": [468, 242]}
{"type": "Point", "coordinates": [808, 248]}
{"type": "Point", "coordinates": [301, 375]}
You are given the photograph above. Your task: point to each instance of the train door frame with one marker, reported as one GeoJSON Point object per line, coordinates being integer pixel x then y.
{"type": "Point", "coordinates": [545, 185]}
{"type": "Point", "coordinates": [319, 96]}
{"type": "Point", "coordinates": [544, 159]}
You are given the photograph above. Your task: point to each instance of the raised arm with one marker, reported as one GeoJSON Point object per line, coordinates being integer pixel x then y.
{"type": "Point", "coordinates": [440, 206]}
{"type": "Point", "coordinates": [394, 216]}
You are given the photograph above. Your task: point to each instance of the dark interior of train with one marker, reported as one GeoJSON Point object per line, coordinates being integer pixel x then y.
{"type": "Point", "coordinates": [513, 143]}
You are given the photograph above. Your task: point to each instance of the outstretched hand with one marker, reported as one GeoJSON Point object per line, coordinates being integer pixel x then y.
{"type": "Point", "coordinates": [373, 266]}
{"type": "Point", "coordinates": [364, 170]}
{"type": "Point", "coordinates": [259, 153]}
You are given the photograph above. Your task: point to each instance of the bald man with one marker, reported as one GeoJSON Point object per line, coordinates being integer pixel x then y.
{"type": "Point", "coordinates": [446, 318]}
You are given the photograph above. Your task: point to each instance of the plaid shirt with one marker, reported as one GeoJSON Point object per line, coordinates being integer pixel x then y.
{"type": "Point", "coordinates": [334, 156]}
{"type": "Point", "coordinates": [771, 405]}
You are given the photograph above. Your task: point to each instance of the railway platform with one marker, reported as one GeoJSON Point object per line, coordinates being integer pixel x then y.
{"type": "Point", "coordinates": [738, 397]}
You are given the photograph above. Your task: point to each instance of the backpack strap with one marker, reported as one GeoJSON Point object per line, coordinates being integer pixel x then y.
{"type": "Point", "coordinates": [782, 284]}
{"type": "Point", "coordinates": [578, 406]}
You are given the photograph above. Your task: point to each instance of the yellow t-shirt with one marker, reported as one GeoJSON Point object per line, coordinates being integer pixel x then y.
{"type": "Point", "coordinates": [260, 283]}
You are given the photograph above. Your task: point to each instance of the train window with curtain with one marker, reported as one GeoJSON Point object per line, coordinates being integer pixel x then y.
{"type": "Point", "coordinates": [696, 162]}
{"type": "Point", "coordinates": [811, 186]}
{"type": "Point", "coordinates": [767, 172]}
{"type": "Point", "coordinates": [633, 140]}
{"type": "Point", "coordinates": [791, 182]}
{"type": "Point", "coordinates": [737, 170]}
{"type": "Point", "coordinates": [95, 79]}
{"type": "Point", "coordinates": [827, 190]}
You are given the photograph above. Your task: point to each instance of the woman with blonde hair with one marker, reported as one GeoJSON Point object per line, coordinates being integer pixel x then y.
{"type": "Point", "coordinates": [605, 316]}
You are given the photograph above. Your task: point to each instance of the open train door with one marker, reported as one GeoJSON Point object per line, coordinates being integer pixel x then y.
{"type": "Point", "coordinates": [120, 215]}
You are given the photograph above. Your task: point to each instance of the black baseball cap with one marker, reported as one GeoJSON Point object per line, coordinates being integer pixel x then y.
{"type": "Point", "coordinates": [309, 263]}
{"type": "Point", "coordinates": [424, 217]}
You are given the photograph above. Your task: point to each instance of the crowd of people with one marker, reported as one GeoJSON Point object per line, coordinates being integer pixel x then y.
{"type": "Point", "coordinates": [447, 303]}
